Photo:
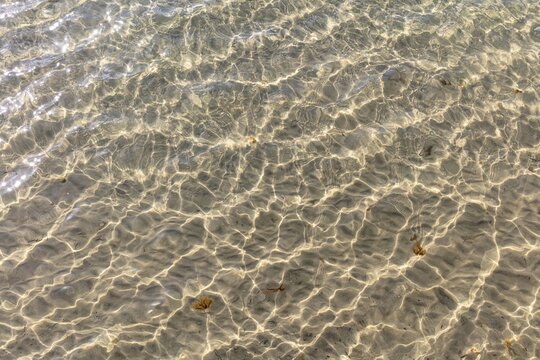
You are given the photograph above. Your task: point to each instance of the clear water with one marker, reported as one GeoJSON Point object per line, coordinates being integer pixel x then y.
{"type": "Point", "coordinates": [278, 179]}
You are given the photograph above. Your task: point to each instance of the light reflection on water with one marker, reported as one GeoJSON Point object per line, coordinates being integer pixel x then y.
{"type": "Point", "coordinates": [271, 180]}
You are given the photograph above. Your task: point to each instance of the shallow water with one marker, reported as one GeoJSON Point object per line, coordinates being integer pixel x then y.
{"type": "Point", "coordinates": [278, 179]}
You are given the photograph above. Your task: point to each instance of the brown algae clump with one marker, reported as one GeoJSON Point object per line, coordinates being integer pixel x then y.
{"type": "Point", "coordinates": [251, 140]}
{"type": "Point", "coordinates": [202, 303]}
{"type": "Point", "coordinates": [418, 249]}
{"type": "Point", "coordinates": [508, 344]}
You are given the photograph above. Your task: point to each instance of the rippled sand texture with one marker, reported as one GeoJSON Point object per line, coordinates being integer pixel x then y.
{"type": "Point", "coordinates": [269, 179]}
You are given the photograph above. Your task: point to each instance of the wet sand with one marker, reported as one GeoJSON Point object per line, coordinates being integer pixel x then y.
{"type": "Point", "coordinates": [269, 180]}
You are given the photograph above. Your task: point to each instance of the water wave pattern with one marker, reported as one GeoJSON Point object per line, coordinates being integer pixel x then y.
{"type": "Point", "coordinates": [269, 179]}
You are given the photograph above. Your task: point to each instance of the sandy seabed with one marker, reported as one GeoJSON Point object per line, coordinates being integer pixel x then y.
{"type": "Point", "coordinates": [288, 179]}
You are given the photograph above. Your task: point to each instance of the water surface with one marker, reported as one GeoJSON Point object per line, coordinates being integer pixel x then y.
{"type": "Point", "coordinates": [284, 179]}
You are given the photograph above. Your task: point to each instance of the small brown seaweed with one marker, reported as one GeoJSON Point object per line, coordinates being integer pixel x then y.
{"type": "Point", "coordinates": [517, 91]}
{"type": "Point", "coordinates": [280, 288]}
{"type": "Point", "coordinates": [445, 82]}
{"type": "Point", "coordinates": [251, 140]}
{"type": "Point", "coordinates": [202, 303]}
{"type": "Point", "coordinates": [472, 351]}
{"type": "Point", "coordinates": [270, 291]}
{"type": "Point", "coordinates": [418, 249]}
{"type": "Point", "coordinates": [426, 151]}
{"type": "Point", "coordinates": [508, 344]}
